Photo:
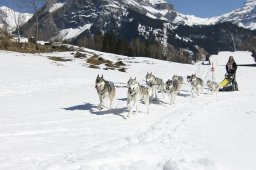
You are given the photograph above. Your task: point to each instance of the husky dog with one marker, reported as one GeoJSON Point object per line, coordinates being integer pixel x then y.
{"type": "Point", "coordinates": [155, 83]}
{"type": "Point", "coordinates": [178, 78]}
{"type": "Point", "coordinates": [172, 88]}
{"type": "Point", "coordinates": [135, 93]}
{"type": "Point", "coordinates": [213, 86]}
{"type": "Point", "coordinates": [196, 83]}
{"type": "Point", "coordinates": [105, 89]}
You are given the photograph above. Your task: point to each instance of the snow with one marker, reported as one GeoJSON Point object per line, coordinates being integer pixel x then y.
{"type": "Point", "coordinates": [153, 2]}
{"type": "Point", "coordinates": [49, 119]}
{"type": "Point", "coordinates": [10, 19]}
{"type": "Point", "coordinates": [56, 6]}
{"type": "Point", "coordinates": [70, 33]}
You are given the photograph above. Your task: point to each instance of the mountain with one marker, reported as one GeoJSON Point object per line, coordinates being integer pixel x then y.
{"type": "Point", "coordinates": [7, 18]}
{"type": "Point", "coordinates": [136, 28]}
{"type": "Point", "coordinates": [243, 17]}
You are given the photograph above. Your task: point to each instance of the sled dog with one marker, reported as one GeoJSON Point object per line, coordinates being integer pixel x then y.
{"type": "Point", "coordinates": [135, 93]}
{"type": "Point", "coordinates": [196, 83]}
{"type": "Point", "coordinates": [213, 86]}
{"type": "Point", "coordinates": [172, 88]}
{"type": "Point", "coordinates": [178, 78]}
{"type": "Point", "coordinates": [105, 89]}
{"type": "Point", "coordinates": [155, 83]}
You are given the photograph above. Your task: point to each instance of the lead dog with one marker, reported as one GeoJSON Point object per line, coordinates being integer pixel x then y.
{"type": "Point", "coordinates": [196, 84]}
{"type": "Point", "coordinates": [155, 83]}
{"type": "Point", "coordinates": [213, 86]}
{"type": "Point", "coordinates": [172, 88]}
{"type": "Point", "coordinates": [105, 89]}
{"type": "Point", "coordinates": [135, 93]}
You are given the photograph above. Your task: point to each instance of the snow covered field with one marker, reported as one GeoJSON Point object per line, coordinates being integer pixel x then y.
{"type": "Point", "coordinates": [49, 119]}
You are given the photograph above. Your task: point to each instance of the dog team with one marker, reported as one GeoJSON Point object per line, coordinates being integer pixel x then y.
{"type": "Point", "coordinates": [136, 92]}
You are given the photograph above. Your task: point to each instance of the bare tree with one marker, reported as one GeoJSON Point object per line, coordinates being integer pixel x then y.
{"type": "Point", "coordinates": [18, 18]}
{"type": "Point", "coordinates": [30, 5]}
{"type": "Point", "coordinates": [35, 7]}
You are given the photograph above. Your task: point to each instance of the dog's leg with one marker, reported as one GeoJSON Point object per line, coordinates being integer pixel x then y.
{"type": "Point", "coordinates": [132, 109]}
{"type": "Point", "coordinates": [129, 105]}
{"type": "Point", "coordinates": [111, 98]}
{"type": "Point", "coordinates": [163, 90]}
{"type": "Point", "coordinates": [101, 102]}
{"type": "Point", "coordinates": [146, 100]}
{"type": "Point", "coordinates": [136, 108]}
{"type": "Point", "coordinates": [169, 95]}
{"type": "Point", "coordinates": [197, 91]}
{"type": "Point", "coordinates": [155, 91]}
{"type": "Point", "coordinates": [192, 92]}
{"type": "Point", "coordinates": [174, 96]}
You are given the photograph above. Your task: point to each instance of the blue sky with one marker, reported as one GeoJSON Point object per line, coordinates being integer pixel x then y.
{"type": "Point", "coordinates": [206, 8]}
{"type": "Point", "coordinates": [199, 8]}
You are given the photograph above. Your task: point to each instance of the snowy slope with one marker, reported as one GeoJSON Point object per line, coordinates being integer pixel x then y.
{"type": "Point", "coordinates": [243, 17]}
{"type": "Point", "coordinates": [49, 119]}
{"type": "Point", "coordinates": [7, 18]}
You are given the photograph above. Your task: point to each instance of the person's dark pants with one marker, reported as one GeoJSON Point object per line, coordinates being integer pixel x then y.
{"type": "Point", "coordinates": [234, 82]}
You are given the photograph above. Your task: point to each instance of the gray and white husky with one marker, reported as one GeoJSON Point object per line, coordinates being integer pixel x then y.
{"type": "Point", "coordinates": [213, 86]}
{"type": "Point", "coordinates": [155, 83]}
{"type": "Point", "coordinates": [178, 78]}
{"type": "Point", "coordinates": [105, 89]}
{"type": "Point", "coordinates": [172, 88]}
{"type": "Point", "coordinates": [135, 93]}
{"type": "Point", "coordinates": [196, 83]}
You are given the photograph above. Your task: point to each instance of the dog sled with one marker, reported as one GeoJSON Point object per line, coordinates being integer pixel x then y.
{"type": "Point", "coordinates": [226, 84]}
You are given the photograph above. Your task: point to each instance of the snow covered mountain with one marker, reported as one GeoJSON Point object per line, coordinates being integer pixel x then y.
{"type": "Point", "coordinates": [7, 18]}
{"type": "Point", "coordinates": [132, 27]}
{"type": "Point", "coordinates": [243, 17]}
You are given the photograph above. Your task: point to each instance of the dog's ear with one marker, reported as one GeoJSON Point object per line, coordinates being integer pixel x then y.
{"type": "Point", "coordinates": [102, 76]}
{"type": "Point", "coordinates": [98, 76]}
{"type": "Point", "coordinates": [151, 73]}
{"type": "Point", "coordinates": [135, 78]}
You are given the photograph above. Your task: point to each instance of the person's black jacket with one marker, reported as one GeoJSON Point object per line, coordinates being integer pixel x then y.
{"type": "Point", "coordinates": [231, 67]}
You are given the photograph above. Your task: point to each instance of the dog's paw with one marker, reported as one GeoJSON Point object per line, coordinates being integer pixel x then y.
{"type": "Point", "coordinates": [99, 107]}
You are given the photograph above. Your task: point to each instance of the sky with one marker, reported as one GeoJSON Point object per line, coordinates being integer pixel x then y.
{"type": "Point", "coordinates": [206, 8]}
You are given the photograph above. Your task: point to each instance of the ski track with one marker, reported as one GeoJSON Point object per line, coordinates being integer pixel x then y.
{"type": "Point", "coordinates": [163, 132]}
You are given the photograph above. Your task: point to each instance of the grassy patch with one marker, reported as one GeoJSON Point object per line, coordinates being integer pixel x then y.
{"type": "Point", "coordinates": [61, 59]}
{"type": "Point", "coordinates": [80, 55]}
{"type": "Point", "coordinates": [97, 60]}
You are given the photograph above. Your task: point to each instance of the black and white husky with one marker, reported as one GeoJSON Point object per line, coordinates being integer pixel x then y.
{"type": "Point", "coordinates": [135, 93]}
{"type": "Point", "coordinates": [172, 87]}
{"type": "Point", "coordinates": [105, 89]}
{"type": "Point", "coordinates": [213, 86]}
{"type": "Point", "coordinates": [155, 83]}
{"type": "Point", "coordinates": [196, 84]}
